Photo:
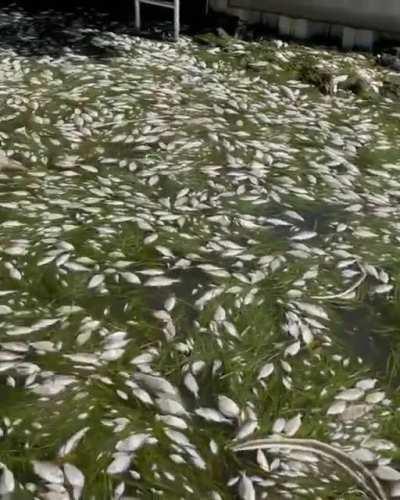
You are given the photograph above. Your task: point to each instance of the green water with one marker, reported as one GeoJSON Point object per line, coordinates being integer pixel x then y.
{"type": "Point", "coordinates": [192, 163]}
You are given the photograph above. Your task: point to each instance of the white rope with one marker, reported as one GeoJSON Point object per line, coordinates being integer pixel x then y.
{"type": "Point", "coordinates": [346, 292]}
{"type": "Point", "coordinates": [355, 469]}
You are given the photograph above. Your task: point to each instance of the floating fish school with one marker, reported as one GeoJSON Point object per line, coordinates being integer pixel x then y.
{"type": "Point", "coordinates": [356, 23]}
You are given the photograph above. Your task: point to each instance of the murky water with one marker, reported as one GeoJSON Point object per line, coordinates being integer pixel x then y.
{"type": "Point", "coordinates": [197, 249]}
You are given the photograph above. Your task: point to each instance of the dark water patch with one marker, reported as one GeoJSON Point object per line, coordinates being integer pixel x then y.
{"type": "Point", "coordinates": [320, 218]}
{"type": "Point", "coordinates": [368, 157]}
{"type": "Point", "coordinates": [370, 329]}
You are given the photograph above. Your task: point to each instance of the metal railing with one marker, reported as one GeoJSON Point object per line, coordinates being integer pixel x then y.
{"type": "Point", "coordinates": [169, 4]}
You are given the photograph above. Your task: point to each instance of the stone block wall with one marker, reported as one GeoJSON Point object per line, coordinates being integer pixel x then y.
{"type": "Point", "coordinates": [358, 23]}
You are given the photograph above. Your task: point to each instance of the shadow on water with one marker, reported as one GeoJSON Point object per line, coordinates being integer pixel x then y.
{"type": "Point", "coordinates": [42, 28]}
{"type": "Point", "coordinates": [372, 331]}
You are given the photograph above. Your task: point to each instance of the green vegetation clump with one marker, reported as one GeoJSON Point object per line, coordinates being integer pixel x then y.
{"type": "Point", "coordinates": [310, 72]}
{"type": "Point", "coordinates": [390, 88]}
{"type": "Point", "coordinates": [213, 40]}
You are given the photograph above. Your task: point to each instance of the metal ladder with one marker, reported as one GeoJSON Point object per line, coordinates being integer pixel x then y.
{"type": "Point", "coordinates": [169, 4]}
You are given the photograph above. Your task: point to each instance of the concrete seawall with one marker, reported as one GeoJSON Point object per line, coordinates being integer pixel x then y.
{"type": "Point", "coordinates": [357, 23]}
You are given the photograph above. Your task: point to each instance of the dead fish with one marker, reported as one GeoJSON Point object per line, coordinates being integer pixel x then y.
{"type": "Point", "coordinates": [75, 478]}
{"type": "Point", "coordinates": [72, 442]}
{"type": "Point", "coordinates": [386, 473]}
{"type": "Point", "coordinates": [96, 281]}
{"type": "Point", "coordinates": [133, 442]}
{"type": "Point", "coordinates": [49, 472]}
{"type": "Point", "coordinates": [131, 278]}
{"type": "Point", "coordinates": [353, 394]}
{"type": "Point", "coordinates": [312, 309]}
{"type": "Point", "coordinates": [246, 429]}
{"type": "Point", "coordinates": [266, 371]}
{"type": "Point", "coordinates": [292, 426]}
{"type": "Point", "coordinates": [211, 415]}
{"type": "Point", "coordinates": [171, 406]}
{"type": "Point", "coordinates": [304, 235]}
{"type": "Point", "coordinates": [155, 384]}
{"type": "Point", "coordinates": [7, 481]}
{"type": "Point", "coordinates": [228, 407]}
{"type": "Point", "coordinates": [246, 489]}
{"type": "Point", "coordinates": [160, 281]}
{"type": "Point", "coordinates": [4, 310]}
{"type": "Point", "coordinates": [119, 464]}
{"type": "Point", "coordinates": [191, 384]}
